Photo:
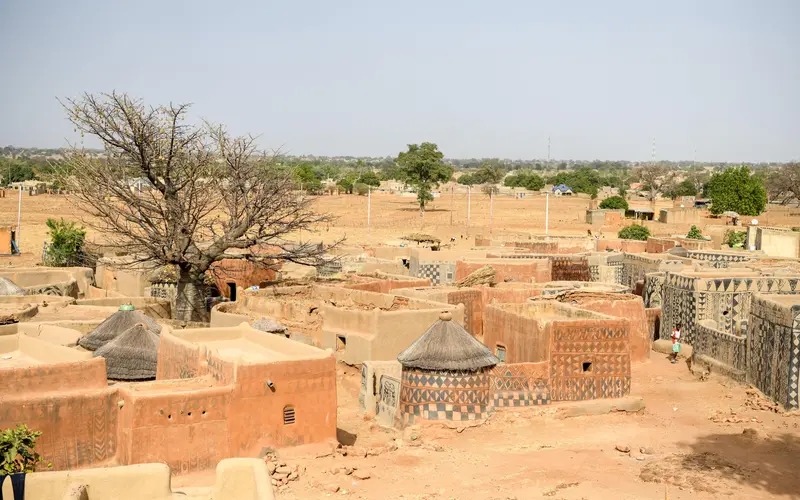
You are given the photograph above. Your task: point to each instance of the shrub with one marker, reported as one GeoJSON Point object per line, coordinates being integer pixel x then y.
{"type": "Point", "coordinates": [17, 449]}
{"type": "Point", "coordinates": [735, 239]}
{"type": "Point", "coordinates": [66, 245]}
{"type": "Point", "coordinates": [346, 185]}
{"type": "Point", "coordinates": [361, 189]}
{"type": "Point", "coordinates": [634, 232]}
{"type": "Point", "coordinates": [695, 233]}
{"type": "Point", "coordinates": [614, 203]}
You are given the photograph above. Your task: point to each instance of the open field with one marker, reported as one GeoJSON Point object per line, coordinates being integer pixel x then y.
{"type": "Point", "coordinates": [392, 216]}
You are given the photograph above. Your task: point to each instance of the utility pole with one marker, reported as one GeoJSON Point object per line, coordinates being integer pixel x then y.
{"type": "Point", "coordinates": [19, 217]}
{"type": "Point", "coordinates": [653, 153]}
{"type": "Point", "coordinates": [369, 211]}
{"type": "Point", "coordinates": [546, 212]}
{"type": "Point", "coordinates": [548, 151]}
{"type": "Point", "coordinates": [469, 205]}
{"type": "Point", "coordinates": [491, 210]}
{"type": "Point", "coordinates": [452, 188]}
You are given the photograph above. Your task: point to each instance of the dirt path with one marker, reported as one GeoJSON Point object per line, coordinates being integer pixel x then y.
{"type": "Point", "coordinates": [533, 453]}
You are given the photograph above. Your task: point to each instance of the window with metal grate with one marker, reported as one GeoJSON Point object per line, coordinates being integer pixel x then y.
{"type": "Point", "coordinates": [288, 415]}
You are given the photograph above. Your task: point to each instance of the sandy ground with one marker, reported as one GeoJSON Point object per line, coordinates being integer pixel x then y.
{"type": "Point", "coordinates": [703, 440]}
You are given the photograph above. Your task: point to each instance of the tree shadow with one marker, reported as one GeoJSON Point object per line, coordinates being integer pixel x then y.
{"type": "Point", "coordinates": [345, 438]}
{"type": "Point", "coordinates": [767, 463]}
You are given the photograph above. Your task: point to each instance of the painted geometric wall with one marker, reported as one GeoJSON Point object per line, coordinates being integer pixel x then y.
{"type": "Point", "coordinates": [444, 395]}
{"type": "Point", "coordinates": [589, 361]}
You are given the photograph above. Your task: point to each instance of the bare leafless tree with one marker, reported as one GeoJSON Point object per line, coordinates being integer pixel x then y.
{"type": "Point", "coordinates": [783, 184]}
{"type": "Point", "coordinates": [185, 195]}
{"type": "Point", "coordinates": [657, 179]}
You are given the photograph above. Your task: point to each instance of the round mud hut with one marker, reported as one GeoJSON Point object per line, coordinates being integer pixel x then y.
{"type": "Point", "coordinates": [115, 325]}
{"type": "Point", "coordinates": [133, 355]}
{"type": "Point", "coordinates": [8, 287]}
{"type": "Point", "coordinates": [445, 375]}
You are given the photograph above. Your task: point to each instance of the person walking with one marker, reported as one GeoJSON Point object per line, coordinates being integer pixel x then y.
{"type": "Point", "coordinates": [676, 344]}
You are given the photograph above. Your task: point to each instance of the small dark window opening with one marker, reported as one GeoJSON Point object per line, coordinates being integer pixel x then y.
{"type": "Point", "coordinates": [725, 313]}
{"type": "Point", "coordinates": [232, 291]}
{"type": "Point", "coordinates": [501, 354]}
{"type": "Point", "coordinates": [288, 415]}
{"type": "Point", "coordinates": [374, 385]}
{"type": "Point", "coordinates": [587, 366]}
{"type": "Point", "coordinates": [341, 342]}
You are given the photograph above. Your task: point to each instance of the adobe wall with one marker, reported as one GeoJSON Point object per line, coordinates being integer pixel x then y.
{"type": "Point", "coordinates": [653, 315]}
{"type": "Point", "coordinates": [179, 359]}
{"type": "Point", "coordinates": [472, 298]}
{"type": "Point", "coordinates": [62, 281]}
{"type": "Point", "coordinates": [776, 242]}
{"type": "Point", "coordinates": [60, 368]}
{"type": "Point", "coordinates": [619, 305]}
{"type": "Point", "coordinates": [636, 266]}
{"type": "Point", "coordinates": [370, 392]}
{"type": "Point", "coordinates": [630, 246]}
{"type": "Point", "coordinates": [525, 338]}
{"type": "Point", "coordinates": [242, 272]}
{"type": "Point", "coordinates": [519, 384]}
{"type": "Point", "coordinates": [773, 359]}
{"type": "Point", "coordinates": [236, 479]}
{"type": "Point", "coordinates": [116, 275]}
{"type": "Point", "coordinates": [388, 284]}
{"type": "Point", "coordinates": [690, 297]}
{"type": "Point", "coordinates": [540, 243]}
{"type": "Point", "coordinates": [257, 414]}
{"type": "Point", "coordinates": [720, 260]}
{"type": "Point", "coordinates": [79, 427]}
{"type": "Point", "coordinates": [600, 217]}
{"type": "Point", "coordinates": [726, 353]}
{"type": "Point", "coordinates": [438, 266]}
{"type": "Point", "coordinates": [606, 267]}
{"type": "Point", "coordinates": [527, 271]}
{"type": "Point", "coordinates": [590, 359]}
{"type": "Point", "coordinates": [681, 215]}
{"type": "Point", "coordinates": [660, 244]}
{"type": "Point", "coordinates": [389, 253]}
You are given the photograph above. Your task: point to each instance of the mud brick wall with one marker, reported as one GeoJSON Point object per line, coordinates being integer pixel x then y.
{"type": "Point", "coordinates": [520, 384]}
{"type": "Point", "coordinates": [533, 271]}
{"type": "Point", "coordinates": [178, 359]}
{"type": "Point", "coordinates": [525, 339]}
{"type": "Point", "coordinates": [444, 395]}
{"type": "Point", "coordinates": [690, 299]}
{"type": "Point", "coordinates": [653, 291]}
{"type": "Point", "coordinates": [386, 286]}
{"type": "Point", "coordinates": [570, 269]}
{"type": "Point", "coordinates": [256, 413]}
{"type": "Point", "coordinates": [653, 322]}
{"type": "Point", "coordinates": [728, 353]}
{"type": "Point", "coordinates": [590, 359]}
{"type": "Point", "coordinates": [719, 260]}
{"type": "Point", "coordinates": [508, 295]}
{"type": "Point", "coordinates": [773, 350]}
{"type": "Point", "coordinates": [79, 428]}
{"type": "Point", "coordinates": [71, 376]}
{"type": "Point", "coordinates": [388, 401]}
{"type": "Point", "coordinates": [473, 309]}
{"type": "Point", "coordinates": [186, 429]}
{"type": "Point", "coordinates": [660, 245]}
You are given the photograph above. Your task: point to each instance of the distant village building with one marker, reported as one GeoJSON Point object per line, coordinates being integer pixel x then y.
{"type": "Point", "coordinates": [562, 190]}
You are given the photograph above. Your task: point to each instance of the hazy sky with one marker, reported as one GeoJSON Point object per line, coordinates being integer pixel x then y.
{"type": "Point", "coordinates": [480, 78]}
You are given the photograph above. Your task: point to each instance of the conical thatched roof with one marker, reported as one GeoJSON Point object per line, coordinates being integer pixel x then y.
{"type": "Point", "coordinates": [447, 346]}
{"type": "Point", "coordinates": [114, 326]}
{"type": "Point", "coordinates": [133, 355]}
{"type": "Point", "coordinates": [8, 287]}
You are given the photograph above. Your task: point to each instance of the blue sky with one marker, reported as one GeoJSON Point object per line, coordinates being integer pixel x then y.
{"type": "Point", "coordinates": [480, 78]}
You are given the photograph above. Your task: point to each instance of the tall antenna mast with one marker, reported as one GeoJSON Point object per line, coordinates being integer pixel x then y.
{"type": "Point", "coordinates": [653, 158]}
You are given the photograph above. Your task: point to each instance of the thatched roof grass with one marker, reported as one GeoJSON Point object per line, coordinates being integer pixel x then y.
{"type": "Point", "coordinates": [114, 326]}
{"type": "Point", "coordinates": [447, 346]}
{"type": "Point", "coordinates": [269, 325]}
{"type": "Point", "coordinates": [133, 355]}
{"type": "Point", "coordinates": [8, 287]}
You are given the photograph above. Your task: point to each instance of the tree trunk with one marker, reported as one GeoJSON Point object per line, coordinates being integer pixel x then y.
{"type": "Point", "coordinates": [190, 304]}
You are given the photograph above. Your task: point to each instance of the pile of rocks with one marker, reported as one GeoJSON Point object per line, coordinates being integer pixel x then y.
{"type": "Point", "coordinates": [282, 473]}
{"type": "Point", "coordinates": [639, 455]}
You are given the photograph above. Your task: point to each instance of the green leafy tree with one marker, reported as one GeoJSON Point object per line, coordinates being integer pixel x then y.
{"type": "Point", "coordinates": [424, 170]}
{"type": "Point", "coordinates": [66, 243]}
{"type": "Point", "coordinates": [18, 450]}
{"type": "Point", "coordinates": [346, 185]}
{"type": "Point", "coordinates": [734, 239]}
{"type": "Point", "coordinates": [686, 187]}
{"type": "Point", "coordinates": [489, 174]}
{"type": "Point", "coordinates": [614, 203]}
{"type": "Point", "coordinates": [634, 232]}
{"type": "Point", "coordinates": [466, 180]}
{"type": "Point", "coordinates": [370, 179]}
{"type": "Point", "coordinates": [307, 177]}
{"type": "Point", "coordinates": [16, 170]}
{"type": "Point", "coordinates": [361, 189]}
{"type": "Point", "coordinates": [695, 233]}
{"type": "Point", "coordinates": [738, 191]}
